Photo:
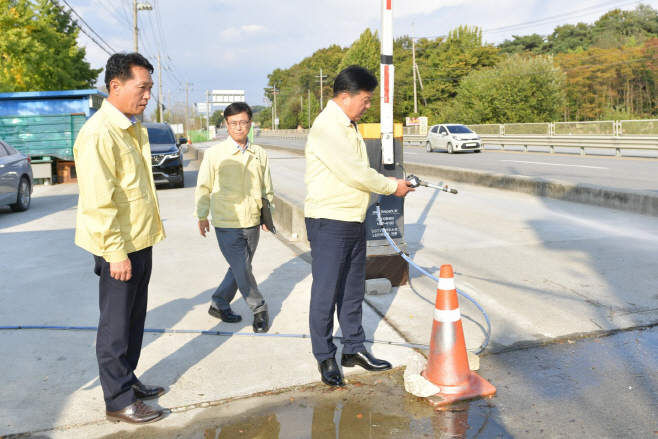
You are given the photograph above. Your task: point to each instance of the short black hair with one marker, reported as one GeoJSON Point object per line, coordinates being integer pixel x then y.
{"type": "Point", "coordinates": [120, 65]}
{"type": "Point", "coordinates": [354, 79]}
{"type": "Point", "coordinates": [237, 108]}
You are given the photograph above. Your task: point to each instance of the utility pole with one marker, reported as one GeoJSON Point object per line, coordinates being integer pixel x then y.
{"type": "Point", "coordinates": [321, 87]}
{"type": "Point", "coordinates": [169, 104]}
{"type": "Point", "coordinates": [208, 113]}
{"type": "Point", "coordinates": [309, 108]}
{"type": "Point", "coordinates": [141, 7]}
{"type": "Point", "coordinates": [413, 65]}
{"type": "Point", "coordinates": [160, 89]}
{"type": "Point", "coordinates": [187, 106]}
{"type": "Point", "coordinates": [274, 118]}
{"type": "Point", "coordinates": [422, 90]}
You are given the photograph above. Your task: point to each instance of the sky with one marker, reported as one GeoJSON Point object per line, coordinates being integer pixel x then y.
{"type": "Point", "coordinates": [231, 44]}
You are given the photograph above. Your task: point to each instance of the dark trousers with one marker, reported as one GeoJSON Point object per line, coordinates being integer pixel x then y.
{"type": "Point", "coordinates": [338, 249]}
{"type": "Point", "coordinates": [238, 247]}
{"type": "Point", "coordinates": [121, 327]}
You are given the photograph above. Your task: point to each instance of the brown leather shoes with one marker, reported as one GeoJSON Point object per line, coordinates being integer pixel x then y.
{"type": "Point", "coordinates": [136, 413]}
{"type": "Point", "coordinates": [143, 391]}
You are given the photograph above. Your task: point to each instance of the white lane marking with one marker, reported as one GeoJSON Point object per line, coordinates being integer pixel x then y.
{"type": "Point", "coordinates": [553, 164]}
{"type": "Point", "coordinates": [407, 152]}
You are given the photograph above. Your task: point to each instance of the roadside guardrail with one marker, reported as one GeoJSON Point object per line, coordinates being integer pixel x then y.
{"type": "Point", "coordinates": [618, 142]}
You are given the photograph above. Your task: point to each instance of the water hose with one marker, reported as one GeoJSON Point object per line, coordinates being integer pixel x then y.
{"type": "Point", "coordinates": [415, 182]}
{"type": "Point", "coordinates": [205, 332]}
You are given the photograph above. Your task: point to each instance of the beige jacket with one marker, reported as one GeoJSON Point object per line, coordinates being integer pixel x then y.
{"type": "Point", "coordinates": [232, 184]}
{"type": "Point", "coordinates": [338, 174]}
{"type": "Point", "coordinates": [118, 210]}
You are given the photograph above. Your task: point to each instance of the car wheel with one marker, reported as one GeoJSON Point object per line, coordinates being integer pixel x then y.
{"type": "Point", "coordinates": [450, 149]}
{"type": "Point", "coordinates": [478, 150]}
{"type": "Point", "coordinates": [429, 147]}
{"type": "Point", "coordinates": [181, 183]}
{"type": "Point", "coordinates": [22, 196]}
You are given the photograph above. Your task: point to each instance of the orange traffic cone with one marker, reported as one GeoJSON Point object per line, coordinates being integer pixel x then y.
{"type": "Point", "coordinates": [447, 365]}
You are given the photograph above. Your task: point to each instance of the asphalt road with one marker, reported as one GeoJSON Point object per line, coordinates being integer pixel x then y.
{"type": "Point", "coordinates": [635, 173]}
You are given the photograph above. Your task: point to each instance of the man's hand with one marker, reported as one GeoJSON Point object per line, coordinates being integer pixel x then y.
{"type": "Point", "coordinates": [404, 187]}
{"type": "Point", "coordinates": [264, 227]}
{"type": "Point", "coordinates": [204, 226]}
{"type": "Point", "coordinates": [122, 271]}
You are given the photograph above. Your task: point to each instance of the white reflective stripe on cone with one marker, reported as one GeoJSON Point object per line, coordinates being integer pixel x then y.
{"type": "Point", "coordinates": [446, 284]}
{"type": "Point", "coordinates": [449, 316]}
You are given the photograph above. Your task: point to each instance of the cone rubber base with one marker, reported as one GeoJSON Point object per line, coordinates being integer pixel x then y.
{"type": "Point", "coordinates": [475, 388]}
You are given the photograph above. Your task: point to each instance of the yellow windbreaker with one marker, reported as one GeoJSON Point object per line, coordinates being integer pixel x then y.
{"type": "Point", "coordinates": [338, 174]}
{"type": "Point", "coordinates": [231, 185]}
{"type": "Point", "coordinates": [118, 210]}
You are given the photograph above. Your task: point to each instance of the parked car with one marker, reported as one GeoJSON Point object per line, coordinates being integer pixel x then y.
{"type": "Point", "coordinates": [15, 179]}
{"type": "Point", "coordinates": [166, 154]}
{"type": "Point", "coordinates": [453, 137]}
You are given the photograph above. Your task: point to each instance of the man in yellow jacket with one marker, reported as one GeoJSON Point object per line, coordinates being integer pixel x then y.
{"type": "Point", "coordinates": [234, 180]}
{"type": "Point", "coordinates": [340, 180]}
{"type": "Point", "coordinates": [118, 220]}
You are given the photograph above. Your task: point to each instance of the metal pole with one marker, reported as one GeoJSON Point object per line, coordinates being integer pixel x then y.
{"type": "Point", "coordinates": [321, 87]}
{"type": "Point", "coordinates": [187, 108]}
{"type": "Point", "coordinates": [208, 113]}
{"type": "Point", "coordinates": [135, 23]}
{"type": "Point", "coordinates": [160, 89]}
{"type": "Point", "coordinates": [309, 108]}
{"type": "Point", "coordinates": [413, 65]}
{"type": "Point", "coordinates": [275, 118]}
{"type": "Point", "coordinates": [387, 72]}
{"type": "Point", "coordinates": [169, 103]}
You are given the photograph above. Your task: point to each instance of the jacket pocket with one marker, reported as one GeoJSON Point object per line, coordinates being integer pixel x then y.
{"type": "Point", "coordinates": [128, 195]}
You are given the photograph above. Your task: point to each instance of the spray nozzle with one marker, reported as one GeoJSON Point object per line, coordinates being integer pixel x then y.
{"type": "Point", "coordinates": [415, 182]}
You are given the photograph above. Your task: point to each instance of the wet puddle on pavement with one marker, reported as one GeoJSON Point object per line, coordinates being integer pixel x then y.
{"type": "Point", "coordinates": [371, 406]}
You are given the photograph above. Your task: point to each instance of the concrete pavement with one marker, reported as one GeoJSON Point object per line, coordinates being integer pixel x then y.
{"type": "Point", "coordinates": [543, 270]}
{"type": "Point", "coordinates": [50, 378]}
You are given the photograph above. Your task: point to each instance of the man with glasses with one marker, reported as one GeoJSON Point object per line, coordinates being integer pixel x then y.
{"type": "Point", "coordinates": [233, 183]}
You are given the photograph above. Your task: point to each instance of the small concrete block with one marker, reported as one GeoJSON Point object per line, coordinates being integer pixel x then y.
{"type": "Point", "coordinates": [378, 286]}
{"type": "Point", "coordinates": [414, 382]}
{"type": "Point", "coordinates": [473, 361]}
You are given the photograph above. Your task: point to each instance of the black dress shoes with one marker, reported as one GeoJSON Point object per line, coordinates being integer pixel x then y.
{"type": "Point", "coordinates": [261, 322]}
{"type": "Point", "coordinates": [330, 373]}
{"type": "Point", "coordinates": [135, 413]}
{"type": "Point", "coordinates": [142, 391]}
{"type": "Point", "coordinates": [225, 315]}
{"type": "Point", "coordinates": [366, 360]}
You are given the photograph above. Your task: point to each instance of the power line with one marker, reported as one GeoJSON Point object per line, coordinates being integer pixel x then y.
{"type": "Point", "coordinates": [86, 24]}
{"type": "Point", "coordinates": [546, 20]}
{"type": "Point", "coordinates": [81, 29]}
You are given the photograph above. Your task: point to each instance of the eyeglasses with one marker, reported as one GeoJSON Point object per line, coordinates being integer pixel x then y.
{"type": "Point", "coordinates": [242, 123]}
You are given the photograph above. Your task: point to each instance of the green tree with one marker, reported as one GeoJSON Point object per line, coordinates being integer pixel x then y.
{"type": "Point", "coordinates": [570, 38]}
{"type": "Point", "coordinates": [364, 52]}
{"type": "Point", "coordinates": [518, 89]}
{"type": "Point", "coordinates": [39, 50]}
{"type": "Point", "coordinates": [534, 43]}
{"type": "Point", "coordinates": [217, 118]}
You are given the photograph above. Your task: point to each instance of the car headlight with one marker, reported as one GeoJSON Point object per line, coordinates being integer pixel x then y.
{"type": "Point", "coordinates": [456, 137]}
{"type": "Point", "coordinates": [477, 138]}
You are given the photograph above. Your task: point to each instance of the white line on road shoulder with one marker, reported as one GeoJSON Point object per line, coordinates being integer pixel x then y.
{"type": "Point", "coordinates": [553, 164]}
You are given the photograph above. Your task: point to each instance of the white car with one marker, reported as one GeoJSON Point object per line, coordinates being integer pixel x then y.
{"type": "Point", "coordinates": [453, 137]}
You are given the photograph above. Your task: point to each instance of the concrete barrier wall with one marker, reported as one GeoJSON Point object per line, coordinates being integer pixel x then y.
{"type": "Point", "coordinates": [628, 200]}
{"type": "Point", "coordinates": [290, 217]}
